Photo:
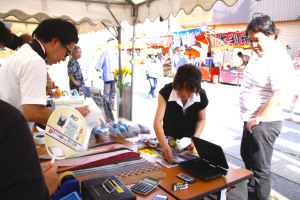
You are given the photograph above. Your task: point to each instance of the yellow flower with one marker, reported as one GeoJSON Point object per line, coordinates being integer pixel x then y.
{"type": "Point", "coordinates": [124, 71]}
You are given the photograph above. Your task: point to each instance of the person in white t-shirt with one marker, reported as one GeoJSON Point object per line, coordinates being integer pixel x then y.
{"type": "Point", "coordinates": [23, 77]}
{"type": "Point", "coordinates": [154, 70]}
{"type": "Point", "coordinates": [245, 59]}
{"type": "Point", "coordinates": [266, 83]}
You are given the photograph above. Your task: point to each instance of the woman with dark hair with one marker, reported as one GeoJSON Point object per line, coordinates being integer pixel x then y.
{"type": "Point", "coordinates": [181, 108]}
{"type": "Point", "coordinates": [6, 37]}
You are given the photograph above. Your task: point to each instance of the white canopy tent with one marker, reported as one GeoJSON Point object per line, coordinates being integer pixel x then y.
{"type": "Point", "coordinates": [92, 15]}
{"type": "Point", "coordinates": [88, 14]}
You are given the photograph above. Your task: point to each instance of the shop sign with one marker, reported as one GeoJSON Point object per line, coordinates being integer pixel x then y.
{"type": "Point", "coordinates": [187, 37]}
{"type": "Point", "coordinates": [236, 73]}
{"type": "Point", "coordinates": [160, 41]}
{"type": "Point", "coordinates": [231, 40]}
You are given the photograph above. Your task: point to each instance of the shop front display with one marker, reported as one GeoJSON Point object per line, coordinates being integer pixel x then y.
{"type": "Point", "coordinates": [231, 76]}
{"type": "Point", "coordinates": [227, 43]}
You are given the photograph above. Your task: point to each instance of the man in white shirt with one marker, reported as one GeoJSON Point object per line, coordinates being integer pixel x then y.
{"type": "Point", "coordinates": [23, 77]}
{"type": "Point", "coordinates": [267, 80]}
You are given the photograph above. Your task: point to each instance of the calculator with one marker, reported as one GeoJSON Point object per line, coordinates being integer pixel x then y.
{"type": "Point", "coordinates": [146, 185]}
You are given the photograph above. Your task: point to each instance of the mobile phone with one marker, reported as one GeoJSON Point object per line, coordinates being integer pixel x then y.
{"type": "Point", "coordinates": [160, 197]}
{"type": "Point", "coordinates": [186, 178]}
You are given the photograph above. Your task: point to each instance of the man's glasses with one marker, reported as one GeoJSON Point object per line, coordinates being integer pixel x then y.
{"type": "Point", "coordinates": [68, 51]}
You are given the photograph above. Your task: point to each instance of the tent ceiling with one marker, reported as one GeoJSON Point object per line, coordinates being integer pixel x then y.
{"type": "Point", "coordinates": [88, 13]}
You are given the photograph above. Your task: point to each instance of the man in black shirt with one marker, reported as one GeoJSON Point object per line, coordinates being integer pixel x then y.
{"type": "Point", "coordinates": [20, 171]}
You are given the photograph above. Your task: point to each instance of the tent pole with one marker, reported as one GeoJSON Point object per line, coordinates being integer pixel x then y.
{"type": "Point", "coordinates": [132, 61]}
{"type": "Point", "coordinates": [120, 71]}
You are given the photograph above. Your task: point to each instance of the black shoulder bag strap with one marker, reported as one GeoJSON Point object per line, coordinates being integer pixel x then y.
{"type": "Point", "coordinates": [36, 46]}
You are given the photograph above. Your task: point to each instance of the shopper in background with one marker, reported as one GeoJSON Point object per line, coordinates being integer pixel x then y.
{"type": "Point", "coordinates": [179, 59]}
{"type": "Point", "coordinates": [160, 55]}
{"type": "Point", "coordinates": [74, 71]}
{"type": "Point", "coordinates": [7, 38]}
{"type": "Point", "coordinates": [167, 60]}
{"type": "Point", "coordinates": [181, 109]}
{"type": "Point", "coordinates": [153, 71]}
{"type": "Point", "coordinates": [10, 40]}
{"type": "Point", "coordinates": [245, 59]}
{"type": "Point", "coordinates": [268, 78]}
{"type": "Point", "coordinates": [107, 64]}
{"type": "Point", "coordinates": [297, 86]}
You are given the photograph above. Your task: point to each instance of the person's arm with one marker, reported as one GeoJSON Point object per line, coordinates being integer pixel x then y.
{"type": "Point", "coordinates": [84, 110]}
{"type": "Point", "coordinates": [71, 71]}
{"type": "Point", "coordinates": [50, 175]}
{"type": "Point", "coordinates": [199, 125]}
{"type": "Point", "coordinates": [160, 69]}
{"type": "Point", "coordinates": [245, 62]}
{"type": "Point", "coordinates": [72, 78]}
{"type": "Point", "coordinates": [147, 63]}
{"type": "Point", "coordinates": [274, 102]}
{"type": "Point", "coordinates": [159, 131]}
{"type": "Point", "coordinates": [40, 113]}
{"type": "Point", "coordinates": [100, 63]}
{"type": "Point", "coordinates": [49, 82]}
{"type": "Point", "coordinates": [49, 87]}
{"type": "Point", "coordinates": [36, 113]}
{"type": "Point", "coordinates": [200, 122]}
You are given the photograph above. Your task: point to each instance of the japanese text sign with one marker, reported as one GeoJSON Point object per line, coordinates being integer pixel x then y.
{"type": "Point", "coordinates": [231, 40]}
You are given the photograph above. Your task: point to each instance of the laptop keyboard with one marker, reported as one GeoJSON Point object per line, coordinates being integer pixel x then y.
{"type": "Point", "coordinates": [202, 167]}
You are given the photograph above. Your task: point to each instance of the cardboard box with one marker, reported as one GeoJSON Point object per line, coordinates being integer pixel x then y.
{"type": "Point", "coordinates": [73, 101]}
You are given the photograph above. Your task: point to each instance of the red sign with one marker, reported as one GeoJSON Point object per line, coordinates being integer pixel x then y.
{"type": "Point", "coordinates": [231, 40]}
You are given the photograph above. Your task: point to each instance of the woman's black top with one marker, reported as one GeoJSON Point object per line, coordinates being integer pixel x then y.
{"type": "Point", "coordinates": [177, 124]}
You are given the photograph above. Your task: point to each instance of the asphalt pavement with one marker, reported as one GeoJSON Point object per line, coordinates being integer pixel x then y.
{"type": "Point", "coordinates": [224, 127]}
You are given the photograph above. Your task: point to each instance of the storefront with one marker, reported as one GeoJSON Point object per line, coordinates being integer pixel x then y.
{"type": "Point", "coordinates": [225, 48]}
{"type": "Point", "coordinates": [162, 45]}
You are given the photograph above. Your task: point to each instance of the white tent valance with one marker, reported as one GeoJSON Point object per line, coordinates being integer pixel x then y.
{"type": "Point", "coordinates": [88, 13]}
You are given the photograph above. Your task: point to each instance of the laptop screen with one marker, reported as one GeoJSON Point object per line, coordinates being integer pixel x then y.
{"type": "Point", "coordinates": [210, 152]}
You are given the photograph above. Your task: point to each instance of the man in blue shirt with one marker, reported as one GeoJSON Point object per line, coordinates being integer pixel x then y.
{"type": "Point", "coordinates": [179, 59]}
{"type": "Point", "coordinates": [107, 64]}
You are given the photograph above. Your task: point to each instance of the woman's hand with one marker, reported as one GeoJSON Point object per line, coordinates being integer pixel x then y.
{"type": "Point", "coordinates": [192, 146]}
{"type": "Point", "coordinates": [166, 152]}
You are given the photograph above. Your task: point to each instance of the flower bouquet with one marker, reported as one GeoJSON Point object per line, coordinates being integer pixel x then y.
{"type": "Point", "coordinates": [124, 73]}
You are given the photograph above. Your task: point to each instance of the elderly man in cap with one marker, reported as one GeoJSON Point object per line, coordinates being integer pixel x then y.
{"type": "Point", "coordinates": [74, 71]}
{"type": "Point", "coordinates": [179, 59]}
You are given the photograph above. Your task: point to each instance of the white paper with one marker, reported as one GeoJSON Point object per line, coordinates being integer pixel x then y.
{"type": "Point", "coordinates": [91, 119]}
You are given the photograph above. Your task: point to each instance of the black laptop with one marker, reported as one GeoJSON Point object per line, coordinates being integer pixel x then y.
{"type": "Point", "coordinates": [211, 162]}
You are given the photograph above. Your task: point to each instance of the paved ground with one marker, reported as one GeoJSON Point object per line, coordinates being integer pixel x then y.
{"type": "Point", "coordinates": [224, 128]}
